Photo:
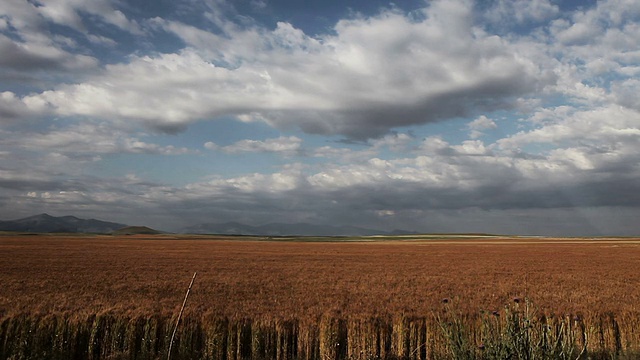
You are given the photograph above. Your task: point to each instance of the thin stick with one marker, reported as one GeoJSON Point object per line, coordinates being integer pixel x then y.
{"type": "Point", "coordinates": [175, 329]}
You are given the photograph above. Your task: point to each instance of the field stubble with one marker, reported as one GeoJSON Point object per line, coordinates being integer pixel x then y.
{"type": "Point", "coordinates": [270, 299]}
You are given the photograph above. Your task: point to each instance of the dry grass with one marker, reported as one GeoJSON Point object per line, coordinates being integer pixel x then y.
{"type": "Point", "coordinates": [374, 288]}
{"type": "Point", "coordinates": [143, 275]}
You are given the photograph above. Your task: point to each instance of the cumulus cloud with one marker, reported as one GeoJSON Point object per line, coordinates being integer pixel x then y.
{"type": "Point", "coordinates": [521, 11]}
{"type": "Point", "coordinates": [447, 176]}
{"type": "Point", "coordinates": [68, 13]}
{"type": "Point", "coordinates": [394, 142]}
{"type": "Point", "coordinates": [597, 44]}
{"type": "Point", "coordinates": [26, 17]}
{"type": "Point", "coordinates": [626, 93]}
{"type": "Point", "coordinates": [167, 92]}
{"type": "Point", "coordinates": [577, 33]}
{"type": "Point", "coordinates": [605, 125]}
{"type": "Point", "coordinates": [477, 126]}
{"type": "Point", "coordinates": [32, 50]}
{"type": "Point", "coordinates": [87, 140]}
{"type": "Point", "coordinates": [453, 183]}
{"type": "Point", "coordinates": [344, 155]}
{"type": "Point", "coordinates": [450, 179]}
{"type": "Point", "coordinates": [373, 75]}
{"type": "Point", "coordinates": [12, 108]}
{"type": "Point", "coordinates": [290, 145]}
{"type": "Point", "coordinates": [39, 55]}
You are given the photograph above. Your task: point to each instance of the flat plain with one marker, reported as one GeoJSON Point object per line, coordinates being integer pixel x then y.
{"type": "Point", "coordinates": [250, 277]}
{"type": "Point", "coordinates": [407, 297]}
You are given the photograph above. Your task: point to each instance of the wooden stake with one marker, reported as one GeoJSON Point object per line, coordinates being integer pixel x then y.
{"type": "Point", "coordinates": [175, 329]}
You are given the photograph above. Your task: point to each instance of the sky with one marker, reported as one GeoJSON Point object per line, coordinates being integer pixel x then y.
{"type": "Point", "coordinates": [499, 116]}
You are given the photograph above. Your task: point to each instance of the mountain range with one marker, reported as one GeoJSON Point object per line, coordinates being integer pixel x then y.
{"type": "Point", "coordinates": [45, 223]}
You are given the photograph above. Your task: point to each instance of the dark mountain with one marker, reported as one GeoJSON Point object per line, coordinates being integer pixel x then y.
{"type": "Point", "coordinates": [280, 229]}
{"type": "Point", "coordinates": [45, 223]}
{"type": "Point", "coordinates": [136, 230]}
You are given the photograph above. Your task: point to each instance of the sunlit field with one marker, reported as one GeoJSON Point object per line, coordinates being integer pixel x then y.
{"type": "Point", "coordinates": [419, 297]}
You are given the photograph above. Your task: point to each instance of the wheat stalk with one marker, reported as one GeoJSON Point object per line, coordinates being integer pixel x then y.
{"type": "Point", "coordinates": [175, 329]}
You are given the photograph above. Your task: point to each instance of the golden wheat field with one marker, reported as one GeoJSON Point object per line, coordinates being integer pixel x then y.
{"type": "Point", "coordinates": [348, 284]}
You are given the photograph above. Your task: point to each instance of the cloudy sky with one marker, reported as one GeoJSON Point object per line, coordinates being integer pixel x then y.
{"type": "Point", "coordinates": [504, 116]}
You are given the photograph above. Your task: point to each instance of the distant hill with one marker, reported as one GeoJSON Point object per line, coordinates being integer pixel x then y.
{"type": "Point", "coordinates": [281, 229]}
{"type": "Point", "coordinates": [136, 230]}
{"type": "Point", "coordinates": [45, 223]}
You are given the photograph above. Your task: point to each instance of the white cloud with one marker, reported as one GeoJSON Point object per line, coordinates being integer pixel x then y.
{"type": "Point", "coordinates": [279, 183]}
{"type": "Point", "coordinates": [258, 4]}
{"type": "Point", "coordinates": [344, 155]}
{"type": "Point", "coordinates": [472, 147]}
{"type": "Point", "coordinates": [11, 107]}
{"type": "Point", "coordinates": [360, 82]}
{"type": "Point", "coordinates": [521, 11]}
{"type": "Point", "coordinates": [290, 145]}
{"type": "Point", "coordinates": [626, 93]}
{"type": "Point", "coordinates": [478, 125]}
{"type": "Point", "coordinates": [395, 142]}
{"type": "Point", "coordinates": [442, 178]}
{"type": "Point", "coordinates": [28, 44]}
{"type": "Point", "coordinates": [167, 92]}
{"type": "Point", "coordinates": [68, 13]}
{"type": "Point", "coordinates": [87, 139]}
{"type": "Point", "coordinates": [482, 123]}
{"type": "Point", "coordinates": [605, 125]}
{"type": "Point", "coordinates": [40, 54]}
{"type": "Point", "coordinates": [447, 176]}
{"type": "Point", "coordinates": [599, 40]}
{"type": "Point", "coordinates": [572, 157]}
{"type": "Point", "coordinates": [578, 34]}
{"type": "Point", "coordinates": [434, 145]}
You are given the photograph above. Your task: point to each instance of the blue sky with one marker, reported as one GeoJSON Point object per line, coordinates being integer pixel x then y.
{"type": "Point", "coordinates": [435, 116]}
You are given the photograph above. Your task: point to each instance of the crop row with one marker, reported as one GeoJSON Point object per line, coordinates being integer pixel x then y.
{"type": "Point", "coordinates": [511, 333]}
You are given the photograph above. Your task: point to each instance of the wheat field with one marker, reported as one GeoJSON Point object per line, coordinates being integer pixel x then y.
{"type": "Point", "coordinates": [99, 297]}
